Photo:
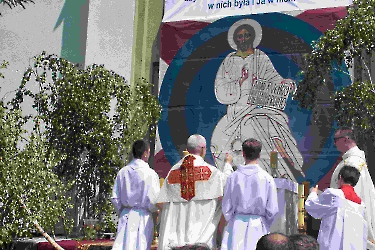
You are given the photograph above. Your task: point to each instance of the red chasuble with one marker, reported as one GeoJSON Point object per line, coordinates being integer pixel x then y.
{"type": "Point", "coordinates": [187, 175]}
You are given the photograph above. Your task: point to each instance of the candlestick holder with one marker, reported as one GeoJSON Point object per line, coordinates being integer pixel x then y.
{"type": "Point", "coordinates": [155, 241]}
{"type": "Point", "coordinates": [273, 162]}
{"type": "Point", "coordinates": [303, 192]}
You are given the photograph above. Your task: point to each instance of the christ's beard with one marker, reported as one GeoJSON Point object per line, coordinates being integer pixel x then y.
{"type": "Point", "coordinates": [244, 46]}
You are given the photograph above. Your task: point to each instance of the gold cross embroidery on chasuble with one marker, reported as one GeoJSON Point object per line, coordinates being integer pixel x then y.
{"type": "Point", "coordinates": [187, 175]}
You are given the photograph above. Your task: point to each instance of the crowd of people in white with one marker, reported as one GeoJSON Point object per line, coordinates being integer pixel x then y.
{"type": "Point", "coordinates": [195, 195]}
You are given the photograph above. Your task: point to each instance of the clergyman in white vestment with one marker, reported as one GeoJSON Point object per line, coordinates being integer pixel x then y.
{"type": "Point", "coordinates": [250, 201]}
{"type": "Point", "coordinates": [191, 199]}
{"type": "Point", "coordinates": [353, 156]}
{"type": "Point", "coordinates": [134, 197]}
{"type": "Point", "coordinates": [343, 225]}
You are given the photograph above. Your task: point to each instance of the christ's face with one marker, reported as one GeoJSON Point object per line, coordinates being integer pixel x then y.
{"type": "Point", "coordinates": [244, 40]}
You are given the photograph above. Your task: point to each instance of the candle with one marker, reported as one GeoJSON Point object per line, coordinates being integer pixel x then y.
{"type": "Point", "coordinates": [301, 220]}
{"type": "Point", "coordinates": [301, 202]}
{"type": "Point", "coordinates": [306, 185]}
{"type": "Point", "coordinates": [273, 159]}
{"type": "Point", "coordinates": [301, 207]}
{"type": "Point", "coordinates": [300, 191]}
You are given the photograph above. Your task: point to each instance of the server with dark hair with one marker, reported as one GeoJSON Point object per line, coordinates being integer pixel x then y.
{"type": "Point", "coordinates": [134, 197]}
{"type": "Point", "coordinates": [250, 201]}
{"type": "Point", "coordinates": [139, 148]}
{"type": "Point", "coordinates": [342, 212]}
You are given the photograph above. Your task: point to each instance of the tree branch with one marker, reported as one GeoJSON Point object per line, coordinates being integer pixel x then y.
{"type": "Point", "coordinates": [367, 69]}
{"type": "Point", "coordinates": [6, 94]}
{"type": "Point", "coordinates": [14, 3]}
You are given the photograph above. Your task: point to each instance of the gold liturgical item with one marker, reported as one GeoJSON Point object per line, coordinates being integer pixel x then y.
{"type": "Point", "coordinates": [303, 192]}
{"type": "Point", "coordinates": [273, 162]}
{"type": "Point", "coordinates": [155, 241]}
{"type": "Point", "coordinates": [301, 209]}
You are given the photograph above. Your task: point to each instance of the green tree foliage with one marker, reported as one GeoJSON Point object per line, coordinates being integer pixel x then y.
{"type": "Point", "coordinates": [353, 37]}
{"type": "Point", "coordinates": [27, 174]}
{"type": "Point", "coordinates": [355, 105]}
{"type": "Point", "coordinates": [14, 3]}
{"type": "Point", "coordinates": [75, 106]}
{"type": "Point", "coordinates": [3, 65]}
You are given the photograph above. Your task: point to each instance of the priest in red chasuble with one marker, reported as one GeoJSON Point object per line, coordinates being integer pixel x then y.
{"type": "Point", "coordinates": [191, 199]}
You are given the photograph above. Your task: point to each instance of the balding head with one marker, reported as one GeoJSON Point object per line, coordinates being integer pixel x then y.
{"type": "Point", "coordinates": [195, 144]}
{"type": "Point", "coordinates": [274, 241]}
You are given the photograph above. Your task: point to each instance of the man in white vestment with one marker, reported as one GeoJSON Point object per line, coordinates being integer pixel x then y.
{"type": "Point", "coordinates": [191, 196]}
{"type": "Point", "coordinates": [343, 226]}
{"type": "Point", "coordinates": [250, 201]}
{"type": "Point", "coordinates": [256, 96]}
{"type": "Point", "coordinates": [353, 156]}
{"type": "Point", "coordinates": [134, 197]}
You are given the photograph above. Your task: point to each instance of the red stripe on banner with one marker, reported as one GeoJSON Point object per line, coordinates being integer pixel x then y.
{"type": "Point", "coordinates": [325, 182]}
{"type": "Point", "coordinates": [323, 19]}
{"type": "Point", "coordinates": [162, 165]}
{"type": "Point", "coordinates": [174, 35]}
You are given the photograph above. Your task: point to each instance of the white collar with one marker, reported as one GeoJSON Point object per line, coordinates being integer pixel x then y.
{"type": "Point", "coordinates": [138, 163]}
{"type": "Point", "coordinates": [350, 152]}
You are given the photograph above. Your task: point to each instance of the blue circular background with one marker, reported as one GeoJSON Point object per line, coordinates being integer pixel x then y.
{"type": "Point", "coordinates": [203, 111]}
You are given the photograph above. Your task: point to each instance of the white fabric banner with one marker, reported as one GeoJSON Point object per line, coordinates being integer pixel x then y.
{"type": "Point", "coordinates": [178, 10]}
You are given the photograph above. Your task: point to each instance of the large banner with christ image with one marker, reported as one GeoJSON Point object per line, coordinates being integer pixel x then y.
{"type": "Point", "coordinates": [233, 78]}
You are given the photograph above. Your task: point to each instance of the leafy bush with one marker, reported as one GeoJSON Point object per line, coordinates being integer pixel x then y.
{"type": "Point", "coordinates": [75, 107]}
{"type": "Point", "coordinates": [27, 175]}
{"type": "Point", "coordinates": [352, 40]}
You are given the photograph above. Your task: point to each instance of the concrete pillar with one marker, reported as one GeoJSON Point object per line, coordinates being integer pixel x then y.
{"type": "Point", "coordinates": [147, 20]}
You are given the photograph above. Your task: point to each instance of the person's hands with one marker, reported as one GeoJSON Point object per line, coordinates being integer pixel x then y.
{"type": "Point", "coordinates": [159, 206]}
{"type": "Point", "coordinates": [288, 80]}
{"type": "Point", "coordinates": [228, 158]}
{"type": "Point", "coordinates": [244, 75]}
{"type": "Point", "coordinates": [291, 83]}
{"type": "Point", "coordinates": [314, 189]}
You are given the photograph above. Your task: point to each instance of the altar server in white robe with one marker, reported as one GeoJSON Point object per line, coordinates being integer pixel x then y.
{"type": "Point", "coordinates": [343, 226]}
{"type": "Point", "coordinates": [353, 156]}
{"type": "Point", "coordinates": [191, 199]}
{"type": "Point", "coordinates": [134, 197]}
{"type": "Point", "coordinates": [250, 201]}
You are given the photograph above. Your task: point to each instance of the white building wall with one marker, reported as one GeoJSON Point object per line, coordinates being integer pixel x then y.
{"type": "Point", "coordinates": [25, 33]}
{"type": "Point", "coordinates": [110, 35]}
